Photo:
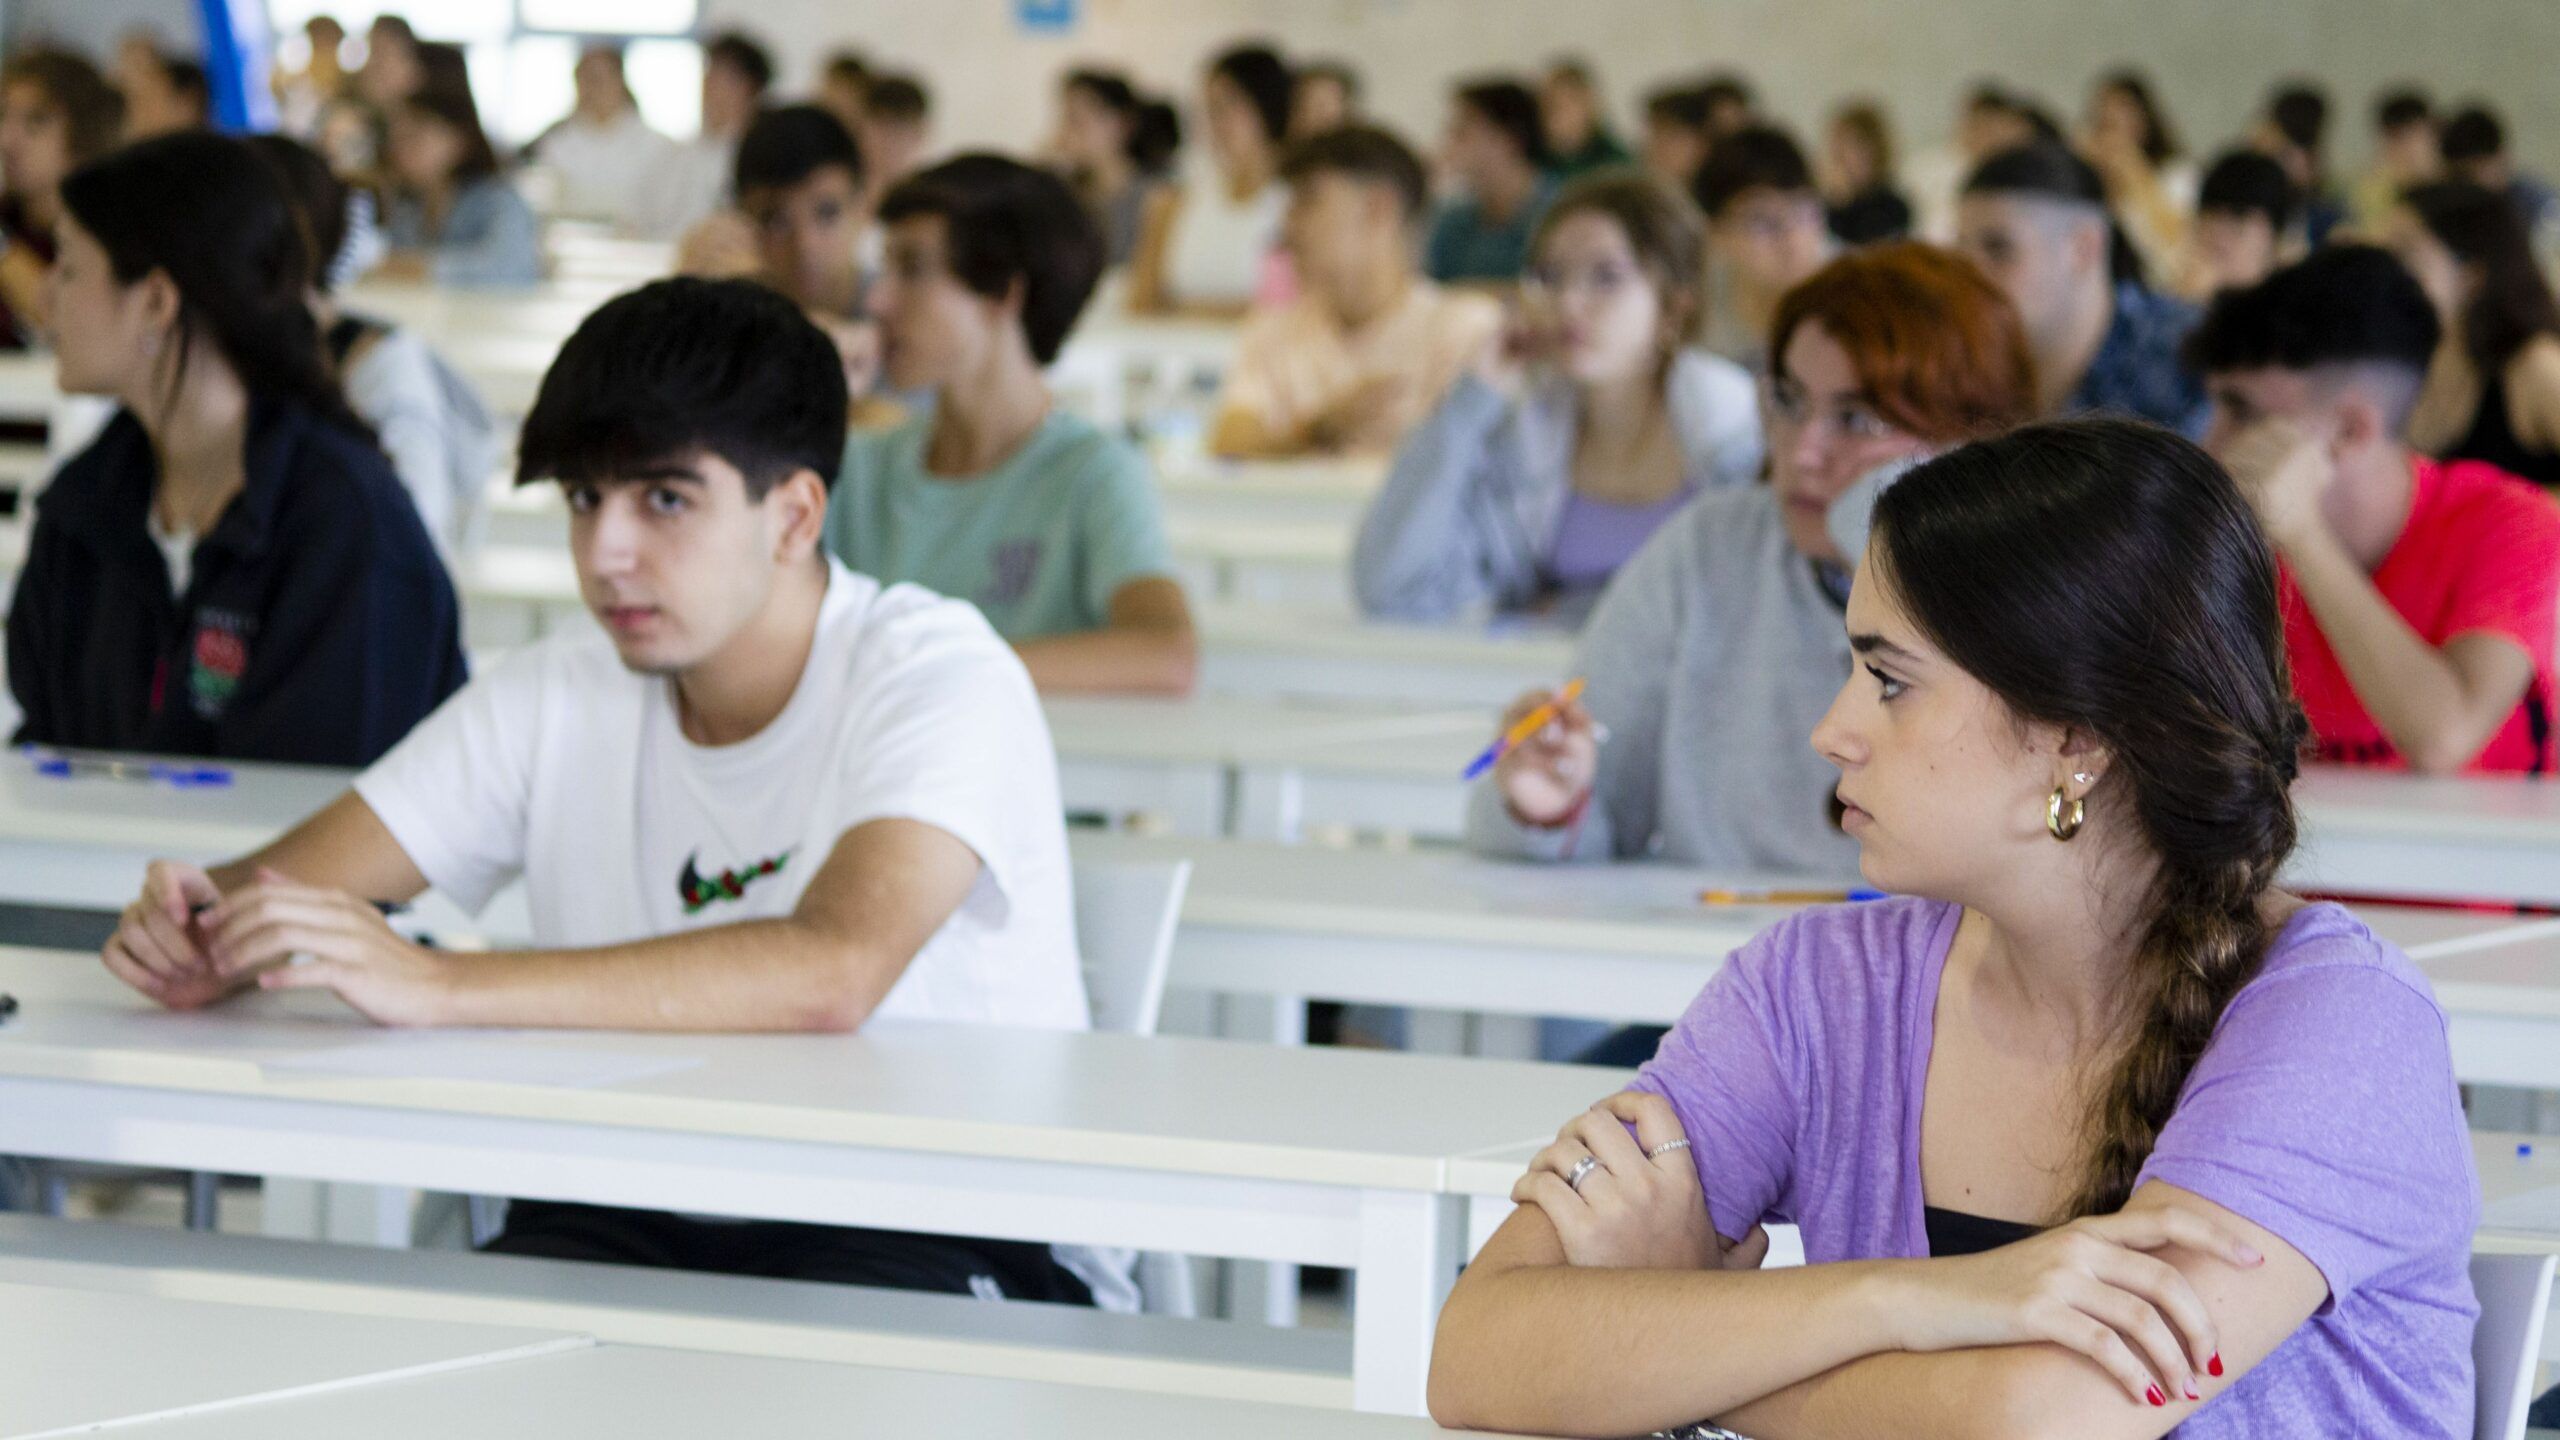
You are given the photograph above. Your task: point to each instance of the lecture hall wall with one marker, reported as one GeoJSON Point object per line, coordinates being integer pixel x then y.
{"type": "Point", "coordinates": [2213, 58]}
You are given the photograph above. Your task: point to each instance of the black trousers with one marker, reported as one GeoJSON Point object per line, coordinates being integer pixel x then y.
{"type": "Point", "coordinates": [774, 1250]}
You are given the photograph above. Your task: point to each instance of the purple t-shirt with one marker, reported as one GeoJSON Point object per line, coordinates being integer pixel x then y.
{"type": "Point", "coordinates": [2323, 1109]}
{"type": "Point", "coordinates": [1595, 537]}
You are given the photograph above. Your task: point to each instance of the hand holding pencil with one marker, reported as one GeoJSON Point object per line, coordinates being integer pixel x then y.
{"type": "Point", "coordinates": [1544, 773]}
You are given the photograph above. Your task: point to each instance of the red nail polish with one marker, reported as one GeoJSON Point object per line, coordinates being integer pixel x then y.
{"type": "Point", "coordinates": [2213, 1366]}
{"type": "Point", "coordinates": [2154, 1396]}
{"type": "Point", "coordinates": [2191, 1391]}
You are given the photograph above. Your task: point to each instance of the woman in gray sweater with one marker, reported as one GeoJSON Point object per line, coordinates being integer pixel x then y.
{"type": "Point", "coordinates": [1587, 426]}
{"type": "Point", "coordinates": [1717, 648]}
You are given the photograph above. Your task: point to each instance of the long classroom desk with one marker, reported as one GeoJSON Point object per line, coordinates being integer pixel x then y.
{"type": "Point", "coordinates": [1633, 943]}
{"type": "Point", "coordinates": [1327, 651]}
{"type": "Point", "coordinates": [629, 1392]}
{"type": "Point", "coordinates": [1253, 1152]}
{"type": "Point", "coordinates": [1423, 929]}
{"type": "Point", "coordinates": [2364, 832]}
{"type": "Point", "coordinates": [76, 1361]}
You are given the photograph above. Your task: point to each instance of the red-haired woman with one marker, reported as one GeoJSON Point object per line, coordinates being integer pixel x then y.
{"type": "Point", "coordinates": [1715, 649]}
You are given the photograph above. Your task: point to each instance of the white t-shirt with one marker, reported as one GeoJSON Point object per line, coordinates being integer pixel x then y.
{"type": "Point", "coordinates": [604, 169]}
{"type": "Point", "coordinates": [1219, 244]}
{"type": "Point", "coordinates": [688, 183]}
{"type": "Point", "coordinates": [562, 766]}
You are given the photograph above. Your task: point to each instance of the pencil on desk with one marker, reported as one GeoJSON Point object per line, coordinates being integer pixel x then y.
{"type": "Point", "coordinates": [1529, 725]}
{"type": "Point", "coordinates": [1786, 897]}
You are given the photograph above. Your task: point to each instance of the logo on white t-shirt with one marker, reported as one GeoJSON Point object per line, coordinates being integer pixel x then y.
{"type": "Point", "coordinates": [699, 894]}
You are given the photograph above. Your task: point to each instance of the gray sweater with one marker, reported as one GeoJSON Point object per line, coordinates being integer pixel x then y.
{"type": "Point", "coordinates": [1468, 516]}
{"type": "Point", "coordinates": [1710, 659]}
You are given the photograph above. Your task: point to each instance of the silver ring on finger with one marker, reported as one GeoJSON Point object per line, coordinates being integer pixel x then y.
{"type": "Point", "coordinates": [1582, 1169]}
{"type": "Point", "coordinates": [1665, 1148]}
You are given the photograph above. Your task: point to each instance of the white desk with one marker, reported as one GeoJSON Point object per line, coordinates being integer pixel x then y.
{"type": "Point", "coordinates": [1199, 1147]}
{"type": "Point", "coordinates": [27, 392]}
{"type": "Point", "coordinates": [1333, 492]}
{"type": "Point", "coordinates": [2504, 1003]}
{"type": "Point", "coordinates": [1328, 651]}
{"type": "Point", "coordinates": [76, 1360]}
{"type": "Point", "coordinates": [2370, 833]}
{"type": "Point", "coordinates": [616, 1392]}
{"type": "Point", "coordinates": [1632, 942]}
{"type": "Point", "coordinates": [1296, 562]}
{"type": "Point", "coordinates": [1404, 784]}
{"type": "Point", "coordinates": [1185, 757]}
{"type": "Point", "coordinates": [84, 841]}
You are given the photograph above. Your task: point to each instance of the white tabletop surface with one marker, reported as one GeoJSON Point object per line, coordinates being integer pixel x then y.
{"type": "Point", "coordinates": [2465, 807]}
{"type": "Point", "coordinates": [1226, 729]}
{"type": "Point", "coordinates": [2518, 978]}
{"type": "Point", "coordinates": [613, 1392]}
{"type": "Point", "coordinates": [1199, 1107]}
{"type": "Point", "coordinates": [111, 812]}
{"type": "Point", "coordinates": [1636, 909]}
{"type": "Point", "coordinates": [74, 1359]}
{"type": "Point", "coordinates": [1338, 634]}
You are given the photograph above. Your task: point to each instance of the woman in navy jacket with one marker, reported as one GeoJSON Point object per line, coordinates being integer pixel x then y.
{"type": "Point", "coordinates": [232, 569]}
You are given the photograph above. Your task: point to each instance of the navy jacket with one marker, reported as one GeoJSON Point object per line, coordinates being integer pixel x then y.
{"type": "Point", "coordinates": [318, 625]}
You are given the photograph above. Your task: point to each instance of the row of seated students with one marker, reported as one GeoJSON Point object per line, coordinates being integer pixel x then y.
{"type": "Point", "coordinates": [838, 801]}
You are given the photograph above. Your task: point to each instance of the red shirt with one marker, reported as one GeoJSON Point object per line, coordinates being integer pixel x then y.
{"type": "Point", "coordinates": [2479, 556]}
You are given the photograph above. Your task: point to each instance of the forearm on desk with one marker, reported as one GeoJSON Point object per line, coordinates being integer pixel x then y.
{"type": "Point", "coordinates": [1571, 1351]}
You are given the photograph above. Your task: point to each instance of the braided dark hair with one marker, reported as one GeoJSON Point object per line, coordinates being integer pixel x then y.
{"type": "Point", "coordinates": [2107, 576]}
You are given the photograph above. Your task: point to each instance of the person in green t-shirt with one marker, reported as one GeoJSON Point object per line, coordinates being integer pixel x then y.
{"type": "Point", "coordinates": [1044, 522]}
{"type": "Point", "coordinates": [1579, 139]}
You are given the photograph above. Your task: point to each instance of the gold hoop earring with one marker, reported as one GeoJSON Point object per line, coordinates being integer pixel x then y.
{"type": "Point", "coordinates": [2063, 823]}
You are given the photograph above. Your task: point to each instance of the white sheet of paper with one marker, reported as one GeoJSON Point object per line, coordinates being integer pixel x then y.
{"type": "Point", "coordinates": [470, 1057]}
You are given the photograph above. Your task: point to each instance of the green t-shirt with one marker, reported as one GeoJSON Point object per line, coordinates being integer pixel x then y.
{"type": "Point", "coordinates": [1039, 543]}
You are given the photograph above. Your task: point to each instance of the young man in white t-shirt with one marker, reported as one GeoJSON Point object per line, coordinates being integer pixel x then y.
{"type": "Point", "coordinates": [773, 795]}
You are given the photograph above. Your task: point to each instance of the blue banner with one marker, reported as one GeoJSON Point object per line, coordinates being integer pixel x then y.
{"type": "Point", "coordinates": [238, 53]}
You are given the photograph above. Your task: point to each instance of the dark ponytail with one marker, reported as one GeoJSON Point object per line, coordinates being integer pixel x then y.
{"type": "Point", "coordinates": [2107, 576]}
{"type": "Point", "coordinates": [212, 214]}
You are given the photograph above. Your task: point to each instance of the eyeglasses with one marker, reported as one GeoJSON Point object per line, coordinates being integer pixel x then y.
{"type": "Point", "coordinates": [1849, 418]}
{"type": "Point", "coordinates": [1605, 279]}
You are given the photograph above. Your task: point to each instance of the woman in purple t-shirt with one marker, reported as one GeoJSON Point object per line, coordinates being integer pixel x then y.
{"type": "Point", "coordinates": [2095, 1133]}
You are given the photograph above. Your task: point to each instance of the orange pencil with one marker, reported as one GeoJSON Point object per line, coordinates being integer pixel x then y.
{"type": "Point", "coordinates": [1529, 725]}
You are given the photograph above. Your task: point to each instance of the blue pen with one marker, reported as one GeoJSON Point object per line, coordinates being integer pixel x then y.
{"type": "Point", "coordinates": [56, 766]}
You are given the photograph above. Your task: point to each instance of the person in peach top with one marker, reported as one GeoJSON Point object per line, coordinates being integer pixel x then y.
{"type": "Point", "coordinates": [1369, 346]}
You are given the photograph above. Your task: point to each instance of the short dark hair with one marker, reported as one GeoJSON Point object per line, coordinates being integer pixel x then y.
{"type": "Point", "coordinates": [848, 67]}
{"type": "Point", "coordinates": [1361, 152]}
{"type": "Point", "coordinates": [1264, 77]}
{"type": "Point", "coordinates": [2245, 182]}
{"type": "Point", "coordinates": [1756, 157]}
{"type": "Point", "coordinates": [2401, 107]}
{"type": "Point", "coordinates": [786, 146]}
{"type": "Point", "coordinates": [1512, 108]}
{"type": "Point", "coordinates": [2039, 169]}
{"type": "Point", "coordinates": [898, 99]}
{"type": "Point", "coordinates": [1681, 105]}
{"type": "Point", "coordinates": [2474, 133]}
{"type": "Point", "coordinates": [1724, 87]}
{"type": "Point", "coordinates": [1009, 223]}
{"type": "Point", "coordinates": [2343, 305]}
{"type": "Point", "coordinates": [188, 80]}
{"type": "Point", "coordinates": [92, 110]}
{"type": "Point", "coordinates": [2300, 113]}
{"type": "Point", "coordinates": [740, 52]}
{"type": "Point", "coordinates": [725, 366]}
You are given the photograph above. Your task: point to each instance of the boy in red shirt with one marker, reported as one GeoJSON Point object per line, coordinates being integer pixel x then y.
{"type": "Point", "coordinates": [2420, 596]}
